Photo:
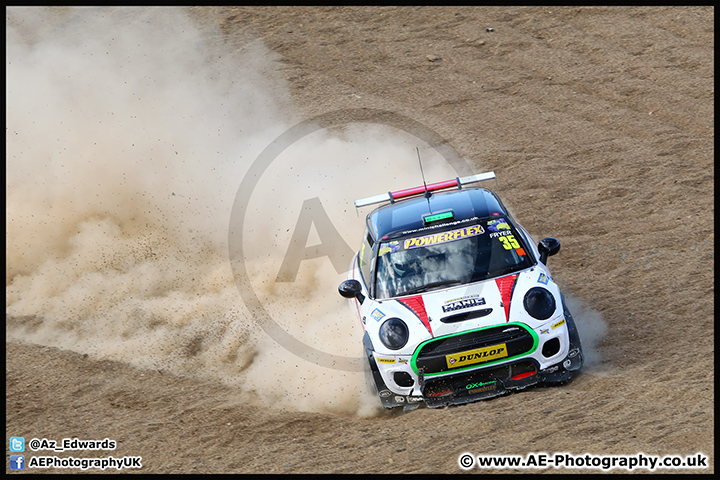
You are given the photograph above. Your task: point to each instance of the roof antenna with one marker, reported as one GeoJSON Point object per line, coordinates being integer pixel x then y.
{"type": "Point", "coordinates": [427, 192]}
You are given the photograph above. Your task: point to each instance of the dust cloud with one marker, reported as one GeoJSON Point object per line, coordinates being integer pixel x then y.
{"type": "Point", "coordinates": [128, 133]}
{"type": "Point", "coordinates": [592, 329]}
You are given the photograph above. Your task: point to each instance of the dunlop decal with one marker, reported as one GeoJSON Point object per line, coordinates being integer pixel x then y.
{"type": "Point", "coordinates": [386, 360]}
{"type": "Point", "coordinates": [478, 355]}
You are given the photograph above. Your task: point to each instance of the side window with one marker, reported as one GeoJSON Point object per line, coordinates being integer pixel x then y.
{"type": "Point", "coordinates": [366, 252]}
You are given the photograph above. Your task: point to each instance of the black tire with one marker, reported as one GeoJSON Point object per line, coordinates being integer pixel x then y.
{"type": "Point", "coordinates": [563, 376]}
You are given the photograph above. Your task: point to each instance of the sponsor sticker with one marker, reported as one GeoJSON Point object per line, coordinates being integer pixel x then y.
{"type": "Point", "coordinates": [464, 302]}
{"type": "Point", "coordinates": [377, 314]}
{"type": "Point", "coordinates": [473, 388]}
{"type": "Point", "coordinates": [478, 355]}
{"type": "Point", "coordinates": [386, 360]}
{"type": "Point", "coordinates": [497, 225]}
{"type": "Point", "coordinates": [558, 324]}
{"type": "Point", "coordinates": [389, 247]}
{"type": "Point", "coordinates": [464, 297]}
{"type": "Point", "coordinates": [443, 237]}
{"type": "Point", "coordinates": [543, 279]}
{"type": "Point", "coordinates": [482, 389]}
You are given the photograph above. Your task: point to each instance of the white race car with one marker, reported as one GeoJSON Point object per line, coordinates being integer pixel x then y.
{"type": "Point", "coordinates": [456, 302]}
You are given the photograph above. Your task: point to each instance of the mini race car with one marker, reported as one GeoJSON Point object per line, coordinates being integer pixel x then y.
{"type": "Point", "coordinates": [456, 302]}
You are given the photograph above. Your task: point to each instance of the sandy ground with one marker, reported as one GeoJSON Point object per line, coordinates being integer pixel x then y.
{"type": "Point", "coordinates": [599, 123]}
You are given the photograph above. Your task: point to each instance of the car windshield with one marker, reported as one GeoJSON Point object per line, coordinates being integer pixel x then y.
{"type": "Point", "coordinates": [434, 259]}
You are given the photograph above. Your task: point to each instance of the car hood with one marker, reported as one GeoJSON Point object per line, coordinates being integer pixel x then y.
{"type": "Point", "coordinates": [458, 309]}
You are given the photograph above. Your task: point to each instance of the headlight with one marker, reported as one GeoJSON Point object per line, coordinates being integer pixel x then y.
{"type": "Point", "coordinates": [539, 303]}
{"type": "Point", "coordinates": [394, 333]}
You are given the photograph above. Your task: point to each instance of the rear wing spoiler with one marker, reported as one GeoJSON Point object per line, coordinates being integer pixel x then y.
{"type": "Point", "coordinates": [409, 192]}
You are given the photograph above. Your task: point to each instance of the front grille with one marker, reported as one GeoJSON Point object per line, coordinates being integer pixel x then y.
{"type": "Point", "coordinates": [474, 348]}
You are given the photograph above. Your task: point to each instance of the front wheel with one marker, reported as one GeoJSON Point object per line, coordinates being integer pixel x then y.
{"type": "Point", "coordinates": [570, 367]}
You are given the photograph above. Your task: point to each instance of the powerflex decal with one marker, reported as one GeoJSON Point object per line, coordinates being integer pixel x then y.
{"type": "Point", "coordinates": [444, 237]}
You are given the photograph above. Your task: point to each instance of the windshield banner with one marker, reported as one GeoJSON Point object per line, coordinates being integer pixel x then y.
{"type": "Point", "coordinates": [443, 237]}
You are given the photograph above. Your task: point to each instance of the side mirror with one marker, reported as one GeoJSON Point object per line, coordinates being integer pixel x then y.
{"type": "Point", "coordinates": [547, 247]}
{"type": "Point", "coordinates": [351, 289]}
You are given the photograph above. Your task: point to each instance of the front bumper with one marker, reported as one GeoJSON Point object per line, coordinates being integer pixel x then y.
{"type": "Point", "coordinates": [436, 388]}
{"type": "Point", "coordinates": [481, 384]}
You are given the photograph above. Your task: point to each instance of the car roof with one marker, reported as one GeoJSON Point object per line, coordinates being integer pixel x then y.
{"type": "Point", "coordinates": [407, 215]}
